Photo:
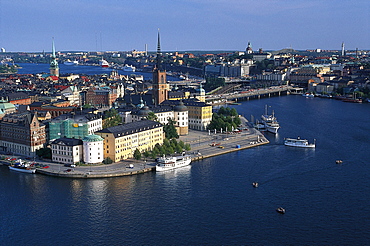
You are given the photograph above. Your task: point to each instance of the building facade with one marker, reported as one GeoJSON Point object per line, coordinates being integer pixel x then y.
{"type": "Point", "coordinates": [93, 147]}
{"type": "Point", "coordinates": [67, 150]}
{"type": "Point", "coordinates": [121, 141]}
{"type": "Point", "coordinates": [199, 114]}
{"type": "Point", "coordinates": [22, 133]}
{"type": "Point", "coordinates": [74, 125]}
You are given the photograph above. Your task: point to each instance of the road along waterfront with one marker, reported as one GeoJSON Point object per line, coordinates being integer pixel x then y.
{"type": "Point", "coordinates": [199, 141]}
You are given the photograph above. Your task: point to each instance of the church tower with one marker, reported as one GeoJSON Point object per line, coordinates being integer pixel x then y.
{"type": "Point", "coordinates": [54, 68]}
{"type": "Point", "coordinates": [249, 48]}
{"type": "Point", "coordinates": [160, 86]}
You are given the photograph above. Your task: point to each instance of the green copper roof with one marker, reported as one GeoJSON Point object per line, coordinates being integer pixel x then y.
{"type": "Point", "coordinates": [92, 138]}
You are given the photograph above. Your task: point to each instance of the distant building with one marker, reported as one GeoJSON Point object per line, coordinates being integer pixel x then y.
{"type": "Point", "coordinates": [160, 86]}
{"type": "Point", "coordinates": [54, 67]}
{"type": "Point", "coordinates": [2, 50]}
{"type": "Point", "coordinates": [22, 134]}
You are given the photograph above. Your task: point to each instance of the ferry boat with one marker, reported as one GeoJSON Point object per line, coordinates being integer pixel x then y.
{"type": "Point", "coordinates": [172, 162]}
{"type": "Point", "coordinates": [103, 63]}
{"type": "Point", "coordinates": [129, 68]}
{"type": "Point", "coordinates": [298, 142]}
{"type": "Point", "coordinates": [23, 167]}
{"type": "Point", "coordinates": [70, 63]}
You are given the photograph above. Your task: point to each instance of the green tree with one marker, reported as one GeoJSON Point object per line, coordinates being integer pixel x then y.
{"type": "Point", "coordinates": [137, 154]}
{"type": "Point", "coordinates": [187, 147]}
{"type": "Point", "coordinates": [44, 153]}
{"type": "Point", "coordinates": [111, 118]}
{"type": "Point", "coordinates": [107, 160]}
{"type": "Point", "coordinates": [152, 116]}
{"type": "Point", "coordinates": [170, 130]}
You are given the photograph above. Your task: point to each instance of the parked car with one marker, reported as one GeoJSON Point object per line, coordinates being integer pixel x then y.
{"type": "Point", "coordinates": [69, 165]}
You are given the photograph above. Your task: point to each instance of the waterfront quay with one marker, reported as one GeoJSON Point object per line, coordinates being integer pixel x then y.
{"type": "Point", "coordinates": [203, 145]}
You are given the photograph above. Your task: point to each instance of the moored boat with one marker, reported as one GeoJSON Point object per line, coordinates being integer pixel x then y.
{"type": "Point", "coordinates": [172, 162]}
{"type": "Point", "coordinates": [70, 63]}
{"type": "Point", "coordinates": [103, 63]}
{"type": "Point", "coordinates": [298, 142]}
{"type": "Point", "coordinates": [23, 167]}
{"type": "Point", "coordinates": [270, 122]}
{"type": "Point", "coordinates": [129, 68]}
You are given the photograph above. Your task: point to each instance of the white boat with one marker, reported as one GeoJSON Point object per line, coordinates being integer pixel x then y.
{"type": "Point", "coordinates": [23, 167]}
{"type": "Point", "coordinates": [129, 68]}
{"type": "Point", "coordinates": [298, 142]}
{"type": "Point", "coordinates": [70, 63]}
{"type": "Point", "coordinates": [270, 122]}
{"type": "Point", "coordinates": [103, 63]}
{"type": "Point", "coordinates": [308, 95]}
{"type": "Point", "coordinates": [172, 162]}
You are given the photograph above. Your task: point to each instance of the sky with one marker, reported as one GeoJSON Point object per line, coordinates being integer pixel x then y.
{"type": "Point", "coordinates": [185, 25]}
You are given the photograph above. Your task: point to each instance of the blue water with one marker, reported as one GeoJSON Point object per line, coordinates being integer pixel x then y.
{"type": "Point", "coordinates": [213, 202]}
{"type": "Point", "coordinates": [33, 68]}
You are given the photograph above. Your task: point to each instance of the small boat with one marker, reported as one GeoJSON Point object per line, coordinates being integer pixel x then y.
{"type": "Point", "coordinates": [172, 162]}
{"type": "Point", "coordinates": [129, 68]}
{"type": "Point", "coordinates": [23, 167]}
{"type": "Point", "coordinates": [255, 184]}
{"type": "Point", "coordinates": [280, 210]}
{"type": "Point", "coordinates": [338, 161]}
{"type": "Point", "coordinates": [298, 142]}
{"type": "Point", "coordinates": [70, 63]}
{"type": "Point", "coordinates": [308, 95]}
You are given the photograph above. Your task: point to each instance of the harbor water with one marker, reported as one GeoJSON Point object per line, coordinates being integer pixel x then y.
{"type": "Point", "coordinates": [213, 202]}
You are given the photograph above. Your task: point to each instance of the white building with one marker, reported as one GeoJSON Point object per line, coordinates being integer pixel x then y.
{"type": "Point", "coordinates": [67, 150]}
{"type": "Point", "coordinates": [93, 149]}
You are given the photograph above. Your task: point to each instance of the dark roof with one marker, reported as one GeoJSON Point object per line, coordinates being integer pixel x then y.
{"type": "Point", "coordinates": [68, 141]}
{"type": "Point", "coordinates": [130, 128]}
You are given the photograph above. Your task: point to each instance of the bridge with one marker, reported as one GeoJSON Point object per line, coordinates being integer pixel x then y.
{"type": "Point", "coordinates": [253, 94]}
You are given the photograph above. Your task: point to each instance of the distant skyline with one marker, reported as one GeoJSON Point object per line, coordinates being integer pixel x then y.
{"type": "Point", "coordinates": [122, 25]}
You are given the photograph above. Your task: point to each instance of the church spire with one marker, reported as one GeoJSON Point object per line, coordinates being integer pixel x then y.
{"type": "Point", "coordinates": [159, 54]}
{"type": "Point", "coordinates": [54, 67]}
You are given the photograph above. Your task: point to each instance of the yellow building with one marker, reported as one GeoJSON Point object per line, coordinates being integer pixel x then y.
{"type": "Point", "coordinates": [121, 141]}
{"type": "Point", "coordinates": [199, 114]}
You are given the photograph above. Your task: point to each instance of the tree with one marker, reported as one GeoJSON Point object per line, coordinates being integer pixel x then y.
{"type": "Point", "coordinates": [187, 147]}
{"type": "Point", "coordinates": [152, 116]}
{"type": "Point", "coordinates": [107, 161]}
{"type": "Point", "coordinates": [44, 153]}
{"type": "Point", "coordinates": [111, 118]}
{"type": "Point", "coordinates": [213, 83]}
{"type": "Point", "coordinates": [170, 130]}
{"type": "Point", "coordinates": [137, 154]}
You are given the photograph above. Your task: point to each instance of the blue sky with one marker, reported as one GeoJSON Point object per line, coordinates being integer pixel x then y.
{"type": "Point", "coordinates": [122, 25]}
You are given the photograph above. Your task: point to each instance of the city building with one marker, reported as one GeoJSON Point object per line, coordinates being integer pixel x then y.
{"type": "Point", "coordinates": [54, 67]}
{"type": "Point", "coordinates": [199, 114]}
{"type": "Point", "coordinates": [74, 125]}
{"type": "Point", "coordinates": [22, 134]}
{"type": "Point", "coordinates": [121, 141]}
{"type": "Point", "coordinates": [67, 150]}
{"type": "Point", "coordinates": [93, 147]}
{"type": "Point", "coordinates": [160, 86]}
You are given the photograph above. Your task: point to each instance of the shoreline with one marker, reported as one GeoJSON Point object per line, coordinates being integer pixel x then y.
{"type": "Point", "coordinates": [200, 148]}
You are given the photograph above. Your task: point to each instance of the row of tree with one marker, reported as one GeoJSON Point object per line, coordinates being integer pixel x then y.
{"type": "Point", "coordinates": [168, 147]}
{"type": "Point", "coordinates": [226, 119]}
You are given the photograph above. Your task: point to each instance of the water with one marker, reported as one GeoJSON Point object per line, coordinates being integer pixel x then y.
{"type": "Point", "coordinates": [213, 202]}
{"type": "Point", "coordinates": [33, 68]}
